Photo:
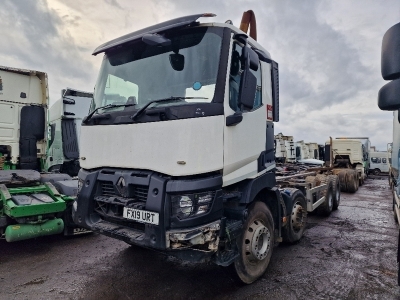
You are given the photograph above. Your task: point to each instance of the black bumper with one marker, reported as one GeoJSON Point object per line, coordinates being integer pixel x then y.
{"type": "Point", "coordinates": [102, 198]}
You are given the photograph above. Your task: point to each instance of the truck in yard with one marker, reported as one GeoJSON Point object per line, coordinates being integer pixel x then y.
{"type": "Point", "coordinates": [65, 118]}
{"type": "Point", "coordinates": [31, 204]}
{"type": "Point", "coordinates": [184, 113]}
{"type": "Point", "coordinates": [285, 150]}
{"type": "Point", "coordinates": [379, 162]}
{"type": "Point", "coordinates": [389, 99]}
{"type": "Point", "coordinates": [348, 158]}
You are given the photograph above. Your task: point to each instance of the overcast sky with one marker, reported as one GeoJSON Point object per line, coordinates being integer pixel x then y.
{"type": "Point", "coordinates": [328, 51]}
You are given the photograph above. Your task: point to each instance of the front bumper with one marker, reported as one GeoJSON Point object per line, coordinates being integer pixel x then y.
{"type": "Point", "coordinates": [100, 210]}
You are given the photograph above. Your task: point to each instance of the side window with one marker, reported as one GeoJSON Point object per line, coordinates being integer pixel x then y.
{"type": "Point", "coordinates": [378, 160]}
{"type": "Point", "coordinates": [235, 76]}
{"type": "Point", "coordinates": [374, 160]}
{"type": "Point", "coordinates": [384, 160]}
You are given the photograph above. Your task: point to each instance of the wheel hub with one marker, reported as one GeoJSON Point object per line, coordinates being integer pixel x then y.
{"type": "Point", "coordinates": [258, 241]}
{"type": "Point", "coordinates": [297, 216]}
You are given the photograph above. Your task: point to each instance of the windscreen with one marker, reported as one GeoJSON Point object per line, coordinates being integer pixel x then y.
{"type": "Point", "coordinates": [139, 73]}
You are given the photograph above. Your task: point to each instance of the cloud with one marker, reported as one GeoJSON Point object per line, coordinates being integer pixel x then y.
{"type": "Point", "coordinates": [328, 52]}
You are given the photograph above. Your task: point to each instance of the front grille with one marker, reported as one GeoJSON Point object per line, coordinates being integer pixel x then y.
{"type": "Point", "coordinates": [137, 192]}
{"type": "Point", "coordinates": [110, 203]}
{"type": "Point", "coordinates": [140, 193]}
{"type": "Point", "coordinates": [107, 189]}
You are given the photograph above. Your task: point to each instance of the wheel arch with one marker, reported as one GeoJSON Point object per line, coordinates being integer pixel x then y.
{"type": "Point", "coordinates": [274, 201]}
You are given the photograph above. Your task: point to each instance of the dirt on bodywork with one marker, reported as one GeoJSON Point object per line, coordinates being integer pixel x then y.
{"type": "Point", "coordinates": [349, 255]}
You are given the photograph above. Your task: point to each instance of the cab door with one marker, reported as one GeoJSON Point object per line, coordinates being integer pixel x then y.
{"type": "Point", "coordinates": [245, 141]}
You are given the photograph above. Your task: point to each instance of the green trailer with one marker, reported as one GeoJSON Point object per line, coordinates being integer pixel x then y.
{"type": "Point", "coordinates": [33, 202]}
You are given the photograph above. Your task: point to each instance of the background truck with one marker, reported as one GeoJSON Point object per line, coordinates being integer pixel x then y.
{"type": "Point", "coordinates": [285, 150]}
{"type": "Point", "coordinates": [379, 162]}
{"type": "Point", "coordinates": [349, 159]}
{"type": "Point", "coordinates": [302, 151]}
{"type": "Point", "coordinates": [389, 99]}
{"type": "Point", "coordinates": [31, 204]}
{"type": "Point", "coordinates": [65, 118]}
{"type": "Point", "coordinates": [187, 164]}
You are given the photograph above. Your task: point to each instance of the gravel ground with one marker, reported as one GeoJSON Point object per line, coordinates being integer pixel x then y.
{"type": "Point", "coordinates": [349, 255]}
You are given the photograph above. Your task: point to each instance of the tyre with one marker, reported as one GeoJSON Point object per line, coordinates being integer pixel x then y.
{"type": "Point", "coordinates": [335, 191]}
{"type": "Point", "coordinates": [342, 180]}
{"type": "Point", "coordinates": [325, 208]}
{"type": "Point", "coordinates": [351, 181]}
{"type": "Point", "coordinates": [394, 209]}
{"type": "Point", "coordinates": [356, 180]}
{"type": "Point", "coordinates": [255, 243]}
{"type": "Point", "coordinates": [376, 172]}
{"type": "Point", "coordinates": [297, 220]}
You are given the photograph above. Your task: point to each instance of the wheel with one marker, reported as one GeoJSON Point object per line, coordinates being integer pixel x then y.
{"type": "Point", "coordinates": [342, 180]}
{"type": "Point", "coordinates": [255, 243]}
{"type": "Point", "coordinates": [394, 209]}
{"type": "Point", "coordinates": [335, 191]}
{"type": "Point", "coordinates": [351, 182]}
{"type": "Point", "coordinates": [376, 171]}
{"type": "Point", "coordinates": [294, 229]}
{"type": "Point", "coordinates": [325, 208]}
{"type": "Point", "coordinates": [356, 180]}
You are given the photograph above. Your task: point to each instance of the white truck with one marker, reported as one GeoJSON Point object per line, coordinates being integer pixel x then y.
{"type": "Point", "coordinates": [187, 163]}
{"type": "Point", "coordinates": [314, 150]}
{"type": "Point", "coordinates": [379, 162]}
{"type": "Point", "coordinates": [32, 204]}
{"type": "Point", "coordinates": [285, 150]}
{"type": "Point", "coordinates": [349, 159]}
{"type": "Point", "coordinates": [65, 118]}
{"type": "Point", "coordinates": [389, 99]}
{"type": "Point", "coordinates": [302, 151]}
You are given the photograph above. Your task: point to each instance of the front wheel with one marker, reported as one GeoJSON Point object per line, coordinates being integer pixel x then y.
{"type": "Point", "coordinates": [255, 243]}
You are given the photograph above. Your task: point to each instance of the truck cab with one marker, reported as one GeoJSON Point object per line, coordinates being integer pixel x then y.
{"type": "Point", "coordinates": [65, 118]}
{"type": "Point", "coordinates": [177, 152]}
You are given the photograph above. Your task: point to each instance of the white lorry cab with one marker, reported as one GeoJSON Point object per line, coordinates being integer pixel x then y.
{"type": "Point", "coordinates": [177, 152]}
{"type": "Point", "coordinates": [65, 118]}
{"type": "Point", "coordinates": [379, 162]}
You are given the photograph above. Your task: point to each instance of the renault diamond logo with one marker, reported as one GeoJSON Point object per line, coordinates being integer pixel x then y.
{"type": "Point", "coordinates": [121, 182]}
{"type": "Point", "coordinates": [121, 185]}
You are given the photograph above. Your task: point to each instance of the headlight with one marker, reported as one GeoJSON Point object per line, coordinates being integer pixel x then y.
{"type": "Point", "coordinates": [184, 206]}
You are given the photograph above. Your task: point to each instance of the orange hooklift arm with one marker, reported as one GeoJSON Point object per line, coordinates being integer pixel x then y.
{"type": "Point", "coordinates": [249, 18]}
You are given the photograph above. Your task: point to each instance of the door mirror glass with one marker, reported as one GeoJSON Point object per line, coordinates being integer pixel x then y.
{"type": "Point", "coordinates": [389, 96]}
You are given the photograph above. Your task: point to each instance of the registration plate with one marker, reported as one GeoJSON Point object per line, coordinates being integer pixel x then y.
{"type": "Point", "coordinates": [142, 216]}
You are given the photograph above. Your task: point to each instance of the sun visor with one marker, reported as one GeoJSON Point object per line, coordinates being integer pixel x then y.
{"type": "Point", "coordinates": [175, 23]}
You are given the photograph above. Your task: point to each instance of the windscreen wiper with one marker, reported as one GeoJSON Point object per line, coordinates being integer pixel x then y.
{"type": "Point", "coordinates": [140, 111]}
{"type": "Point", "coordinates": [89, 116]}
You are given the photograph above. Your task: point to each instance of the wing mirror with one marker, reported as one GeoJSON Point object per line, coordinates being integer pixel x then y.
{"type": "Point", "coordinates": [389, 94]}
{"type": "Point", "coordinates": [248, 84]}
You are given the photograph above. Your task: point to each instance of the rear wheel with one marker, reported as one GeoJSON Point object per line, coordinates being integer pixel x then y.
{"type": "Point", "coordinates": [342, 180]}
{"type": "Point", "coordinates": [325, 208]}
{"type": "Point", "coordinates": [351, 181]}
{"type": "Point", "coordinates": [376, 171]}
{"type": "Point", "coordinates": [335, 191]}
{"type": "Point", "coordinates": [255, 243]}
{"type": "Point", "coordinates": [394, 209]}
{"type": "Point", "coordinates": [294, 229]}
